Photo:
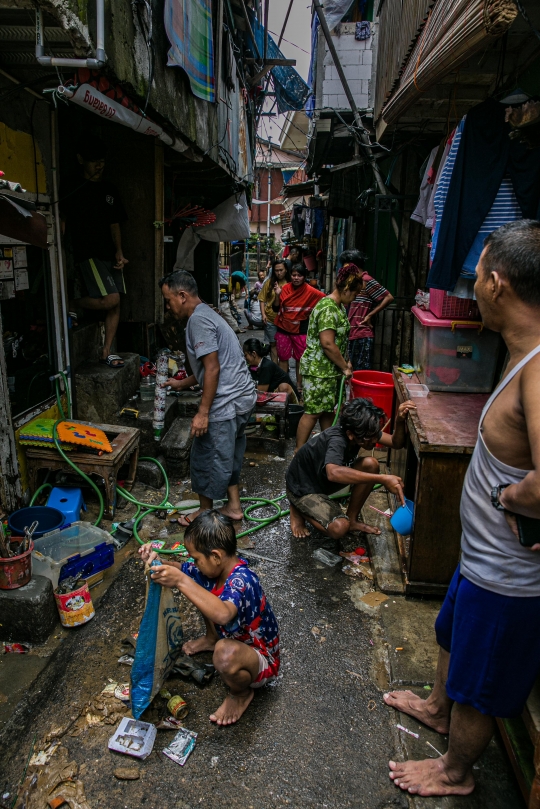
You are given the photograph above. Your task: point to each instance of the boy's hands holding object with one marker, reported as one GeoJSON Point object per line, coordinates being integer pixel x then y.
{"type": "Point", "coordinates": [404, 409]}
{"type": "Point", "coordinates": [168, 574]}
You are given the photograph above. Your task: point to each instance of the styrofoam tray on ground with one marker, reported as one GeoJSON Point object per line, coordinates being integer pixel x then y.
{"type": "Point", "coordinates": [134, 738]}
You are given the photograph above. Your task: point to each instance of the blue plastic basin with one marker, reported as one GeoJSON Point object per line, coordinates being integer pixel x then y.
{"type": "Point", "coordinates": [402, 519]}
{"type": "Point", "coordinates": [49, 519]}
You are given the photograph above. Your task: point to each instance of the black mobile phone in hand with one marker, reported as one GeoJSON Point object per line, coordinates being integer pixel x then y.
{"type": "Point", "coordinates": [528, 530]}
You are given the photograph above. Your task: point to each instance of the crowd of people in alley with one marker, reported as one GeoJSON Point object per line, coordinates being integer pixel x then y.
{"type": "Point", "coordinates": [489, 623]}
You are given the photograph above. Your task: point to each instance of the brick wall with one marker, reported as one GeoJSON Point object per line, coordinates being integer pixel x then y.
{"type": "Point", "coordinates": [356, 57]}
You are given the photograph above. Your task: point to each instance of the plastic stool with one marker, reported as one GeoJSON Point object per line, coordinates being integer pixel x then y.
{"type": "Point", "coordinates": [69, 502]}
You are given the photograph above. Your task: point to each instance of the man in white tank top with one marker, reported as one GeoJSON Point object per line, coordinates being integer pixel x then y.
{"type": "Point", "coordinates": [488, 628]}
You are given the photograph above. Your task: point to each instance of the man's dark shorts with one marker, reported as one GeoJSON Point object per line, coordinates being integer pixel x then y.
{"type": "Point", "coordinates": [216, 456]}
{"type": "Point", "coordinates": [318, 507]}
{"type": "Point", "coordinates": [100, 278]}
{"type": "Point", "coordinates": [493, 645]}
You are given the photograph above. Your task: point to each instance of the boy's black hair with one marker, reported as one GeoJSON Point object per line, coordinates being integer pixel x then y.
{"type": "Point", "coordinates": [211, 531]}
{"type": "Point", "coordinates": [362, 418]}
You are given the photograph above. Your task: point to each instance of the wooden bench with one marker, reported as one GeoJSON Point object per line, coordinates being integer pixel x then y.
{"type": "Point", "coordinates": [125, 444]}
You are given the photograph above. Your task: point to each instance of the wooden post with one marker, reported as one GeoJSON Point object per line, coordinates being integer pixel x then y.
{"type": "Point", "coordinates": [159, 258]}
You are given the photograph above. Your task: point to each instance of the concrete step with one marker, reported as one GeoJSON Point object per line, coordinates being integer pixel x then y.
{"type": "Point", "coordinates": [147, 443]}
{"type": "Point", "coordinates": [176, 448]}
{"type": "Point", "coordinates": [101, 391]}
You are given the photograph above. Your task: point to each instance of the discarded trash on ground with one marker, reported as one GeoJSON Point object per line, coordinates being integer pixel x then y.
{"type": "Point", "coordinates": [127, 773]}
{"type": "Point", "coordinates": [45, 785]}
{"type": "Point", "coordinates": [178, 707]}
{"type": "Point", "coordinates": [358, 571]}
{"type": "Point", "coordinates": [170, 723]}
{"type": "Point", "coordinates": [373, 599]}
{"type": "Point", "coordinates": [406, 730]}
{"type": "Point", "coordinates": [327, 558]}
{"type": "Point", "coordinates": [181, 746]}
{"type": "Point", "coordinates": [134, 738]}
{"type": "Point", "coordinates": [187, 667]}
{"type": "Point", "coordinates": [126, 660]}
{"type": "Point", "coordinates": [16, 648]}
{"type": "Point", "coordinates": [355, 557]}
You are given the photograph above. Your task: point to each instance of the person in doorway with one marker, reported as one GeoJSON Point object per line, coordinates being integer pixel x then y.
{"type": "Point", "coordinates": [371, 299]}
{"type": "Point", "coordinates": [228, 396]}
{"type": "Point", "coordinates": [266, 374]}
{"type": "Point", "coordinates": [280, 275]}
{"type": "Point", "coordinates": [293, 304]}
{"type": "Point", "coordinates": [226, 313]}
{"type": "Point", "coordinates": [91, 217]}
{"type": "Point", "coordinates": [261, 278]}
{"type": "Point", "coordinates": [329, 462]}
{"type": "Point", "coordinates": [324, 362]}
{"type": "Point", "coordinates": [252, 311]}
{"type": "Point", "coordinates": [241, 628]}
{"type": "Point", "coordinates": [489, 623]}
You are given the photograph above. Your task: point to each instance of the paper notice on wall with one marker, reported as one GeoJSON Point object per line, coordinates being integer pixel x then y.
{"type": "Point", "coordinates": [19, 256]}
{"type": "Point", "coordinates": [6, 269]}
{"type": "Point", "coordinates": [6, 252]}
{"type": "Point", "coordinates": [7, 290]}
{"type": "Point", "coordinates": [21, 279]}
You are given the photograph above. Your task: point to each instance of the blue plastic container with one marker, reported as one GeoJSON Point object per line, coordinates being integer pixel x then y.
{"type": "Point", "coordinates": [69, 501]}
{"type": "Point", "coordinates": [402, 519]}
{"type": "Point", "coordinates": [49, 519]}
{"type": "Point", "coordinates": [87, 564]}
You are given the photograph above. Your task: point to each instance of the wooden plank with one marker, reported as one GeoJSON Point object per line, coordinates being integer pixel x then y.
{"type": "Point", "coordinates": [443, 422]}
{"type": "Point", "coordinates": [520, 752]}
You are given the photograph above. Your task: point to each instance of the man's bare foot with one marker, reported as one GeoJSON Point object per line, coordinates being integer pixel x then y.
{"type": "Point", "coordinates": [185, 519]}
{"type": "Point", "coordinates": [232, 708]}
{"type": "Point", "coordinates": [205, 643]}
{"type": "Point", "coordinates": [233, 515]}
{"type": "Point", "coordinates": [298, 526]}
{"type": "Point", "coordinates": [362, 526]}
{"type": "Point", "coordinates": [409, 703]}
{"type": "Point", "coordinates": [429, 777]}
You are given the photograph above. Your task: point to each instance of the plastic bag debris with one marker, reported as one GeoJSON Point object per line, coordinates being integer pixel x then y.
{"type": "Point", "coordinates": [357, 571]}
{"type": "Point", "coordinates": [45, 784]}
{"type": "Point", "coordinates": [16, 648]}
{"type": "Point", "coordinates": [181, 746]}
{"type": "Point", "coordinates": [126, 660]}
{"type": "Point", "coordinates": [134, 738]}
{"type": "Point", "coordinates": [188, 667]}
{"type": "Point", "coordinates": [170, 723]}
{"type": "Point", "coordinates": [326, 557]}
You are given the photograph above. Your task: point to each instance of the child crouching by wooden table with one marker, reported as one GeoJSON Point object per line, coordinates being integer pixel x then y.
{"type": "Point", "coordinates": [241, 629]}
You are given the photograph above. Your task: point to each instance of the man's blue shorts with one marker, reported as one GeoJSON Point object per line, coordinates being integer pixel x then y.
{"type": "Point", "coordinates": [494, 645]}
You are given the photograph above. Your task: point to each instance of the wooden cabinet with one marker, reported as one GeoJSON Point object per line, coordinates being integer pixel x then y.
{"type": "Point", "coordinates": [442, 436]}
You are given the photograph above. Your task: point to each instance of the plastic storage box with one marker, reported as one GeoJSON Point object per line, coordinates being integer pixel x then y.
{"type": "Point", "coordinates": [444, 305]}
{"type": "Point", "coordinates": [452, 355]}
{"type": "Point", "coordinates": [78, 550]}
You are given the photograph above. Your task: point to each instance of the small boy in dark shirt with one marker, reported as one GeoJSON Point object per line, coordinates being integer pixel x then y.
{"type": "Point", "coordinates": [241, 629]}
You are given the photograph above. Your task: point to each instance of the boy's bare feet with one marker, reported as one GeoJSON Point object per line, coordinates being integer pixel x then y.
{"type": "Point", "coordinates": [232, 708]}
{"type": "Point", "coordinates": [362, 526]}
{"type": "Point", "coordinates": [429, 777]}
{"type": "Point", "coordinates": [205, 643]}
{"type": "Point", "coordinates": [298, 526]}
{"type": "Point", "coordinates": [409, 703]}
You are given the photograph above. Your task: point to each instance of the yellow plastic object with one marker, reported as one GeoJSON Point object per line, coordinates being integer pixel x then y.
{"type": "Point", "coordinates": [130, 411]}
{"type": "Point", "coordinates": [457, 323]}
{"type": "Point", "coordinates": [74, 433]}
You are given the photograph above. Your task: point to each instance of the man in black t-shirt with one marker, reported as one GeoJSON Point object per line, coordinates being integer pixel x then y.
{"type": "Point", "coordinates": [329, 462]}
{"type": "Point", "coordinates": [92, 214]}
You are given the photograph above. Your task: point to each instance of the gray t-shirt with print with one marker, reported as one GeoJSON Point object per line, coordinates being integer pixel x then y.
{"type": "Point", "coordinates": [206, 332]}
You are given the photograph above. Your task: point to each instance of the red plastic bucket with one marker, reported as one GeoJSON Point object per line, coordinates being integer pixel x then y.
{"type": "Point", "coordinates": [16, 571]}
{"type": "Point", "coordinates": [377, 386]}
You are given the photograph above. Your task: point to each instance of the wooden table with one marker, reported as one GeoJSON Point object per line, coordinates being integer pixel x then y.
{"type": "Point", "coordinates": [276, 405]}
{"type": "Point", "coordinates": [442, 436]}
{"type": "Point", "coordinates": [125, 444]}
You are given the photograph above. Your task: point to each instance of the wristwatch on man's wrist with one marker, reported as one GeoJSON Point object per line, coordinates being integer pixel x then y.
{"type": "Point", "coordinates": [495, 494]}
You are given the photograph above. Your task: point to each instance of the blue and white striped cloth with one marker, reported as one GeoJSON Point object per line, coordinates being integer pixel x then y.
{"type": "Point", "coordinates": [505, 208]}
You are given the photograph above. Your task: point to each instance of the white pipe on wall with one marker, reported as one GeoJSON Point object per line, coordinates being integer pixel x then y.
{"type": "Point", "coordinates": [53, 61]}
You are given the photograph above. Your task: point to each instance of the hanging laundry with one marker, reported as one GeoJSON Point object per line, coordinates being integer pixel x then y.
{"type": "Point", "coordinates": [505, 208]}
{"type": "Point", "coordinates": [485, 156]}
{"type": "Point", "coordinates": [420, 213]}
{"type": "Point", "coordinates": [362, 31]}
{"type": "Point", "coordinates": [307, 228]}
{"type": "Point", "coordinates": [431, 214]}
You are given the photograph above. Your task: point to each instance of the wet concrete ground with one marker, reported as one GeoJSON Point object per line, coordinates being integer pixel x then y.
{"type": "Point", "coordinates": [321, 737]}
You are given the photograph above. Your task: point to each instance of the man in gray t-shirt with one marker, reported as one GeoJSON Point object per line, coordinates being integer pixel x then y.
{"type": "Point", "coordinates": [228, 395]}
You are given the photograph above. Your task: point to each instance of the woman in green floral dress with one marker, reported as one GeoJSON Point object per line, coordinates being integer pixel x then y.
{"type": "Point", "coordinates": [324, 360]}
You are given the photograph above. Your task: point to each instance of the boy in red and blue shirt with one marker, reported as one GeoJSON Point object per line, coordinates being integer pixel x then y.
{"type": "Point", "coordinates": [241, 628]}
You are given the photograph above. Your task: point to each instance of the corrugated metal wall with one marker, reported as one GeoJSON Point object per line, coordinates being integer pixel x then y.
{"type": "Point", "coordinates": [399, 23]}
